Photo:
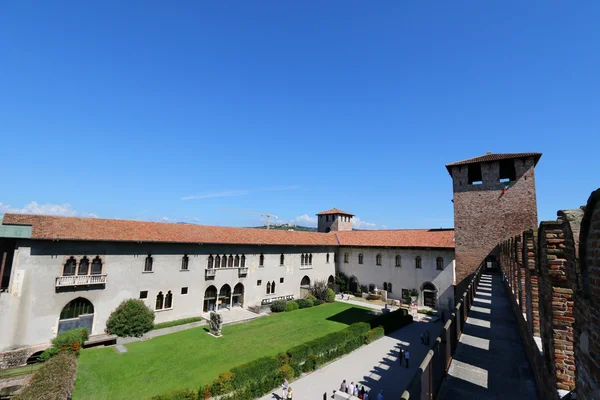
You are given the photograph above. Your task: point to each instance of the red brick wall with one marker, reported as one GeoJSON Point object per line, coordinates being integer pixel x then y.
{"type": "Point", "coordinates": [587, 304]}
{"type": "Point", "coordinates": [531, 281]}
{"type": "Point", "coordinates": [484, 216]}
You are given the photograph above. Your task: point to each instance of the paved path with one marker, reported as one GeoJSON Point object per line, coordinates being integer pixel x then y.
{"type": "Point", "coordinates": [375, 366]}
{"type": "Point", "coordinates": [490, 361]}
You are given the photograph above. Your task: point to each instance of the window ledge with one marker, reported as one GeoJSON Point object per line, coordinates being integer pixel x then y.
{"type": "Point", "coordinates": [147, 272]}
{"type": "Point", "coordinates": [164, 309]}
{"type": "Point", "coordinates": [184, 270]}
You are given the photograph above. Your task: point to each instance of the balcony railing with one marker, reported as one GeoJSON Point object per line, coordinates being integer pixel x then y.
{"type": "Point", "coordinates": [80, 280]}
{"type": "Point", "coordinates": [243, 272]}
{"type": "Point", "coordinates": [210, 272]}
{"type": "Point", "coordinates": [306, 266]}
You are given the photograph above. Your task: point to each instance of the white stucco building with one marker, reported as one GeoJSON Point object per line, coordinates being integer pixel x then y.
{"type": "Point", "coordinates": [62, 272]}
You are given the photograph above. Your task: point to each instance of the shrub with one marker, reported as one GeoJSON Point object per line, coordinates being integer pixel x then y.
{"type": "Point", "coordinates": [319, 290]}
{"type": "Point", "coordinates": [310, 364]}
{"type": "Point", "coordinates": [205, 392]}
{"type": "Point", "coordinates": [255, 371]}
{"type": "Point", "coordinates": [311, 298]}
{"type": "Point", "coordinates": [304, 303]}
{"type": "Point", "coordinates": [283, 358]}
{"type": "Point", "coordinates": [54, 380]}
{"type": "Point", "coordinates": [131, 318]}
{"type": "Point", "coordinates": [176, 322]}
{"type": "Point", "coordinates": [341, 280]}
{"type": "Point", "coordinates": [392, 321]}
{"type": "Point", "coordinates": [223, 384]}
{"type": "Point", "coordinates": [286, 371]}
{"type": "Point", "coordinates": [278, 306]}
{"type": "Point", "coordinates": [69, 341]}
{"type": "Point", "coordinates": [373, 334]}
{"type": "Point", "coordinates": [291, 306]}
{"type": "Point", "coordinates": [357, 294]}
{"type": "Point", "coordinates": [180, 394]}
{"type": "Point", "coordinates": [318, 302]}
{"type": "Point", "coordinates": [330, 296]}
{"type": "Point", "coordinates": [364, 289]}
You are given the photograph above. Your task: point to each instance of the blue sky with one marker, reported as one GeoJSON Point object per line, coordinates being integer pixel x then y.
{"type": "Point", "coordinates": [175, 110]}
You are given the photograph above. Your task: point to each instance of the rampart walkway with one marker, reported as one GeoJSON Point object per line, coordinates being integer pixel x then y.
{"type": "Point", "coordinates": [489, 361]}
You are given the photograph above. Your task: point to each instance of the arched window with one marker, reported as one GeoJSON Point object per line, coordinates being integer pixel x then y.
{"type": "Point", "coordinates": [169, 300]}
{"type": "Point", "coordinates": [70, 267]}
{"type": "Point", "coordinates": [418, 262]}
{"type": "Point", "coordinates": [439, 263]}
{"type": "Point", "coordinates": [360, 258]}
{"type": "Point", "coordinates": [224, 261]}
{"type": "Point", "coordinates": [378, 259]}
{"type": "Point", "coordinates": [302, 259]}
{"type": "Point", "coordinates": [217, 261]}
{"type": "Point", "coordinates": [385, 286]}
{"type": "Point", "coordinates": [346, 258]}
{"type": "Point", "coordinates": [305, 282]}
{"type": "Point", "coordinates": [261, 260]}
{"type": "Point", "coordinates": [77, 307]}
{"type": "Point", "coordinates": [389, 289]}
{"type": "Point", "coordinates": [268, 287]}
{"type": "Point", "coordinates": [398, 261]}
{"type": "Point", "coordinates": [281, 259]}
{"type": "Point", "coordinates": [210, 261]}
{"type": "Point", "coordinates": [310, 259]}
{"type": "Point", "coordinates": [159, 301]}
{"type": "Point", "coordinates": [184, 262]}
{"type": "Point", "coordinates": [84, 266]}
{"type": "Point", "coordinates": [236, 261]}
{"type": "Point", "coordinates": [230, 264]}
{"type": "Point", "coordinates": [97, 266]}
{"type": "Point", "coordinates": [148, 264]}
{"type": "Point", "coordinates": [327, 258]}
{"type": "Point", "coordinates": [273, 287]}
{"type": "Point", "coordinates": [243, 264]}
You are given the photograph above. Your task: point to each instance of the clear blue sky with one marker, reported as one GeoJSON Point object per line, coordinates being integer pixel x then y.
{"type": "Point", "coordinates": [125, 109]}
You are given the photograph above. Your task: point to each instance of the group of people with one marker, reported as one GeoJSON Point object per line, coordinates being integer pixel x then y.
{"type": "Point", "coordinates": [403, 355]}
{"type": "Point", "coordinates": [361, 393]}
{"type": "Point", "coordinates": [425, 338]}
{"type": "Point", "coordinates": [287, 390]}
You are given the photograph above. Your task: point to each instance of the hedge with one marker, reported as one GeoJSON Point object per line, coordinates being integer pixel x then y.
{"type": "Point", "coordinates": [373, 334]}
{"type": "Point", "coordinates": [131, 318]}
{"type": "Point", "coordinates": [392, 321]}
{"type": "Point", "coordinates": [181, 394]}
{"type": "Point", "coordinates": [291, 306]}
{"type": "Point", "coordinates": [176, 322]}
{"type": "Point", "coordinates": [69, 341]}
{"type": "Point", "coordinates": [54, 380]}
{"type": "Point", "coordinates": [278, 306]}
{"type": "Point", "coordinates": [305, 303]}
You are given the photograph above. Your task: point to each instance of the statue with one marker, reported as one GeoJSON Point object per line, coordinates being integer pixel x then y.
{"type": "Point", "coordinates": [216, 320]}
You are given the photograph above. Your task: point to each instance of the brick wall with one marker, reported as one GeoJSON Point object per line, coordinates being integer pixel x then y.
{"type": "Point", "coordinates": [529, 252]}
{"type": "Point", "coordinates": [587, 304]}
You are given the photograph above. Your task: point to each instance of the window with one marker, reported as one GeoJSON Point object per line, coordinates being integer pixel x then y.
{"type": "Point", "coordinates": [345, 258]}
{"type": "Point", "coordinates": [230, 263]}
{"type": "Point", "coordinates": [77, 307]}
{"type": "Point", "coordinates": [327, 258]}
{"type": "Point", "coordinates": [69, 268]}
{"type": "Point", "coordinates": [243, 262]}
{"type": "Point", "coordinates": [360, 258]}
{"type": "Point", "coordinates": [144, 294]}
{"type": "Point", "coordinates": [169, 300]}
{"type": "Point", "coordinates": [302, 259]}
{"type": "Point", "coordinates": [84, 266]}
{"type": "Point", "coordinates": [97, 266]}
{"type": "Point", "coordinates": [268, 287]}
{"type": "Point", "coordinates": [236, 261]}
{"type": "Point", "coordinates": [281, 259]}
{"type": "Point", "coordinates": [439, 263]}
{"type": "Point", "coordinates": [280, 280]}
{"type": "Point", "coordinates": [418, 262]}
{"type": "Point", "coordinates": [334, 257]}
{"type": "Point", "coordinates": [261, 260]}
{"type": "Point", "coordinates": [273, 287]}
{"type": "Point", "coordinates": [148, 264]}
{"type": "Point", "coordinates": [389, 289]}
{"type": "Point", "coordinates": [217, 261]}
{"type": "Point", "coordinates": [184, 262]}
{"type": "Point", "coordinates": [398, 261]}
{"type": "Point", "coordinates": [474, 174]}
{"type": "Point", "coordinates": [507, 171]}
{"type": "Point", "coordinates": [159, 301]}
{"type": "Point", "coordinates": [259, 282]}
{"type": "Point", "coordinates": [385, 286]}
{"type": "Point", "coordinates": [310, 259]}
{"type": "Point", "coordinates": [210, 261]}
{"type": "Point", "coordinates": [378, 259]}
{"type": "Point", "coordinates": [184, 290]}
{"type": "Point", "coordinates": [224, 261]}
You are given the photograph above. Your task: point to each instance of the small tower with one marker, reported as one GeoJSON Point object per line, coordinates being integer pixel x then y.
{"type": "Point", "coordinates": [334, 220]}
{"type": "Point", "coordinates": [494, 199]}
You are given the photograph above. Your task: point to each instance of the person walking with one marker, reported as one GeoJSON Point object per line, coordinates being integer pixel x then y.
{"type": "Point", "coordinates": [351, 389]}
{"type": "Point", "coordinates": [355, 394]}
{"type": "Point", "coordinates": [344, 387]}
{"type": "Point", "coordinates": [401, 355]}
{"type": "Point", "coordinates": [290, 394]}
{"type": "Point", "coordinates": [361, 394]}
{"type": "Point", "coordinates": [407, 357]}
{"type": "Point", "coordinates": [380, 395]}
{"type": "Point", "coordinates": [285, 387]}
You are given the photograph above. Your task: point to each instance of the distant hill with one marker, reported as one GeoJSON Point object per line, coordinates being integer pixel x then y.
{"type": "Point", "coordinates": [287, 227]}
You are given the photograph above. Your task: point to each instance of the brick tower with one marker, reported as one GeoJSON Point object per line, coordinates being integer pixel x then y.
{"type": "Point", "coordinates": [494, 199]}
{"type": "Point", "coordinates": [334, 220]}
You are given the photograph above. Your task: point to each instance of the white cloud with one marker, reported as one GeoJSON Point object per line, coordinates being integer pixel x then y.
{"type": "Point", "coordinates": [64, 210]}
{"type": "Point", "coordinates": [305, 220]}
{"type": "Point", "coordinates": [228, 193]}
{"type": "Point", "coordinates": [357, 223]}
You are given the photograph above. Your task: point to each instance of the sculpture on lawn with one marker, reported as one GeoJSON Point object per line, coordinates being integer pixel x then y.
{"type": "Point", "coordinates": [216, 320]}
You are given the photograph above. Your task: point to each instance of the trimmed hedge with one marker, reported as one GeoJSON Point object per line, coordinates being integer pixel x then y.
{"type": "Point", "coordinates": [181, 394]}
{"type": "Point", "coordinates": [392, 321]}
{"type": "Point", "coordinates": [291, 306]}
{"type": "Point", "coordinates": [330, 296]}
{"type": "Point", "coordinates": [176, 322]}
{"type": "Point", "coordinates": [278, 306]}
{"type": "Point", "coordinates": [373, 334]}
{"type": "Point", "coordinates": [54, 380]}
{"type": "Point", "coordinates": [69, 341]}
{"type": "Point", "coordinates": [305, 303]}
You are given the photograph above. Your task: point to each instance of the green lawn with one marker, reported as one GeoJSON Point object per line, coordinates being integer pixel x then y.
{"type": "Point", "coordinates": [191, 358]}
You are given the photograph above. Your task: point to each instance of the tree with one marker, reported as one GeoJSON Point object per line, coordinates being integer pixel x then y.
{"type": "Point", "coordinates": [131, 318]}
{"type": "Point", "coordinates": [319, 289]}
{"type": "Point", "coordinates": [341, 280]}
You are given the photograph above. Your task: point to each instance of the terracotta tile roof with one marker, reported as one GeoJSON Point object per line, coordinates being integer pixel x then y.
{"type": "Point", "coordinates": [114, 230]}
{"type": "Point", "coordinates": [494, 157]}
{"type": "Point", "coordinates": [441, 238]}
{"type": "Point", "coordinates": [70, 228]}
{"type": "Point", "coordinates": [335, 211]}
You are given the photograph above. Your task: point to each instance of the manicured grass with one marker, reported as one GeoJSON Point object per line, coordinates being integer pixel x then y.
{"type": "Point", "coordinates": [191, 358]}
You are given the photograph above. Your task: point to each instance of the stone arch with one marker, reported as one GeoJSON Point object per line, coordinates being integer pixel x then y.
{"type": "Point", "coordinates": [77, 313]}
{"type": "Point", "coordinates": [331, 281]}
{"type": "Point", "coordinates": [210, 299]}
{"type": "Point", "coordinates": [353, 284]}
{"type": "Point", "coordinates": [429, 294]}
{"type": "Point", "coordinates": [238, 295]}
{"type": "Point", "coordinates": [224, 300]}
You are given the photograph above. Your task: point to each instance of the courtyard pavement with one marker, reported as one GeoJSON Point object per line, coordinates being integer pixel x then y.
{"type": "Point", "coordinates": [489, 361]}
{"type": "Point", "coordinates": [375, 366]}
